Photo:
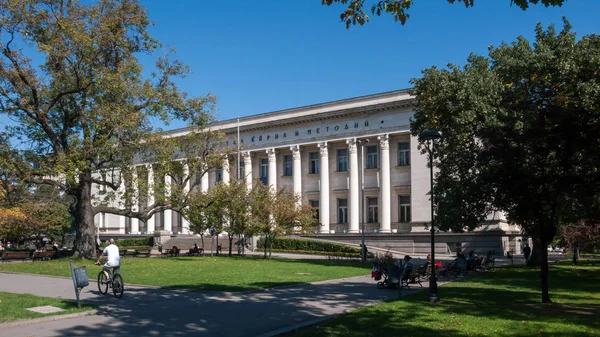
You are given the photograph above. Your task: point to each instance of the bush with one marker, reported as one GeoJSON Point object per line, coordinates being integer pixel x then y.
{"type": "Point", "coordinates": [137, 242]}
{"type": "Point", "coordinates": [289, 244]}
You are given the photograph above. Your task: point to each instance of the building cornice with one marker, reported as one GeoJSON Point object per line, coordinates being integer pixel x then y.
{"type": "Point", "coordinates": [364, 105]}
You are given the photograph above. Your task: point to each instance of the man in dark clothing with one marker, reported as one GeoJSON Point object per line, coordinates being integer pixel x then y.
{"type": "Point", "coordinates": [364, 252]}
{"type": "Point", "coordinates": [527, 253]}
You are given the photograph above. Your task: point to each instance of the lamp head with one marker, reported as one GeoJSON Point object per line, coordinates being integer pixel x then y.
{"type": "Point", "coordinates": [431, 135]}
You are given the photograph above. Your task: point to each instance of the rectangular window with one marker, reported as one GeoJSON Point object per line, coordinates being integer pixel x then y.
{"type": "Point", "coordinates": [264, 170]}
{"type": "Point", "coordinates": [315, 205]}
{"type": "Point", "coordinates": [287, 165]}
{"type": "Point", "coordinates": [403, 208]}
{"type": "Point", "coordinates": [403, 154]}
{"type": "Point", "coordinates": [372, 157]}
{"type": "Point", "coordinates": [373, 210]}
{"type": "Point", "coordinates": [241, 170]}
{"type": "Point", "coordinates": [128, 225]}
{"type": "Point", "coordinates": [219, 175]}
{"type": "Point", "coordinates": [342, 211]}
{"type": "Point", "coordinates": [313, 163]}
{"type": "Point", "coordinates": [342, 160]}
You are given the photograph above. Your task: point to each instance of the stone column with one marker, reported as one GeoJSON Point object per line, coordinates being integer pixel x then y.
{"type": "Point", "coordinates": [324, 188]}
{"type": "Point", "coordinates": [226, 176]}
{"type": "Point", "coordinates": [121, 201]}
{"type": "Point", "coordinates": [204, 182]}
{"type": "Point", "coordinates": [168, 214]}
{"type": "Point", "coordinates": [272, 169]}
{"type": "Point", "coordinates": [248, 169]}
{"type": "Point", "coordinates": [150, 221]}
{"type": "Point", "coordinates": [135, 223]}
{"type": "Point", "coordinates": [297, 173]}
{"type": "Point", "coordinates": [354, 202]}
{"type": "Point", "coordinates": [386, 213]}
{"type": "Point", "coordinates": [185, 225]}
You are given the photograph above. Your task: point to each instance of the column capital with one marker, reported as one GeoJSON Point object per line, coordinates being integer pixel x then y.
{"type": "Point", "coordinates": [247, 158]}
{"type": "Point", "coordinates": [323, 149]}
{"type": "Point", "coordinates": [352, 145]}
{"type": "Point", "coordinates": [271, 153]}
{"type": "Point", "coordinates": [384, 142]}
{"type": "Point", "coordinates": [295, 151]}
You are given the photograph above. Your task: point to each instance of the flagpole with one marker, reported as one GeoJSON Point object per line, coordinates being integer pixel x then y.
{"type": "Point", "coordinates": [238, 149]}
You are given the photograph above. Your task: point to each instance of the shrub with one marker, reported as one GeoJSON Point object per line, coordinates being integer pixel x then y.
{"type": "Point", "coordinates": [136, 242]}
{"type": "Point", "coordinates": [290, 244]}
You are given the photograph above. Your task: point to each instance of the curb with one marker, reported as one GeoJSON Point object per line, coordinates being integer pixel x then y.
{"type": "Point", "coordinates": [25, 322]}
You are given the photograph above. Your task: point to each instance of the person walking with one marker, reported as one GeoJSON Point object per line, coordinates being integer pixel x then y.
{"type": "Point", "coordinates": [527, 253]}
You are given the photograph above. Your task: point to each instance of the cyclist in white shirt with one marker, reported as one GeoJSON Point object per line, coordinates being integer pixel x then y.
{"type": "Point", "coordinates": [114, 260]}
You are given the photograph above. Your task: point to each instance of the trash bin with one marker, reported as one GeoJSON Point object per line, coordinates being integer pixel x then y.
{"type": "Point", "coordinates": [81, 278]}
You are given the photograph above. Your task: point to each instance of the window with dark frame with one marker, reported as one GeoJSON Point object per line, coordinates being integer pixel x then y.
{"type": "Point", "coordinates": [264, 170]}
{"type": "Point", "coordinates": [373, 210]}
{"type": "Point", "coordinates": [372, 157]}
{"type": "Point", "coordinates": [313, 162]}
{"type": "Point", "coordinates": [315, 205]}
{"type": "Point", "coordinates": [287, 165]}
{"type": "Point", "coordinates": [342, 211]}
{"type": "Point", "coordinates": [403, 208]}
{"type": "Point", "coordinates": [403, 154]}
{"type": "Point", "coordinates": [342, 156]}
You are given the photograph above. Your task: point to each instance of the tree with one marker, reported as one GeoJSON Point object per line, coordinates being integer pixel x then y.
{"type": "Point", "coordinates": [357, 14]}
{"type": "Point", "coordinates": [580, 236]}
{"type": "Point", "coordinates": [276, 213]}
{"type": "Point", "coordinates": [82, 110]}
{"type": "Point", "coordinates": [520, 135]}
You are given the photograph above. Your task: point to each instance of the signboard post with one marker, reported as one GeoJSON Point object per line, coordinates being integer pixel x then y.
{"type": "Point", "coordinates": [80, 280]}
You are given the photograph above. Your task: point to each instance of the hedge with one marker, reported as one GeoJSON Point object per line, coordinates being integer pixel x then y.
{"type": "Point", "coordinates": [309, 245]}
{"type": "Point", "coordinates": [312, 252]}
{"type": "Point", "coordinates": [136, 242]}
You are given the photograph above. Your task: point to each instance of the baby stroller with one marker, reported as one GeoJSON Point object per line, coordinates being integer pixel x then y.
{"type": "Point", "coordinates": [381, 273]}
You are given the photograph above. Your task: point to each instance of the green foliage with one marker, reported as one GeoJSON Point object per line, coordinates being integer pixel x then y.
{"type": "Point", "coordinates": [209, 273]}
{"type": "Point", "coordinates": [290, 244]}
{"type": "Point", "coordinates": [490, 304]}
{"type": "Point", "coordinates": [357, 14]}
{"type": "Point", "coordinates": [132, 243]}
{"type": "Point", "coordinates": [277, 213]}
{"type": "Point", "coordinates": [14, 306]}
{"type": "Point", "coordinates": [519, 135]}
{"type": "Point", "coordinates": [72, 83]}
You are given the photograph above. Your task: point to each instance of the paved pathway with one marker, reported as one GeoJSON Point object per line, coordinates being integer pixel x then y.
{"type": "Point", "coordinates": [146, 311]}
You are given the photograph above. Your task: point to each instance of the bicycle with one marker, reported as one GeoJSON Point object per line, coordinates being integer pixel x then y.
{"type": "Point", "coordinates": [116, 282]}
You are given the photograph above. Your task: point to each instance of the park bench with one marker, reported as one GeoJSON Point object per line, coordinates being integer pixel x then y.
{"type": "Point", "coordinates": [44, 255]}
{"type": "Point", "coordinates": [130, 253]}
{"type": "Point", "coordinates": [19, 255]}
{"type": "Point", "coordinates": [196, 251]}
{"type": "Point", "coordinates": [144, 252]}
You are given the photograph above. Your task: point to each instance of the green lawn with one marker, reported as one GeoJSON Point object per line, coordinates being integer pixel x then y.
{"type": "Point", "coordinates": [208, 273]}
{"type": "Point", "coordinates": [501, 303]}
{"type": "Point", "coordinates": [13, 306]}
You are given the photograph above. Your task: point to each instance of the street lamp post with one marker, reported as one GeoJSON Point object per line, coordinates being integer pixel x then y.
{"type": "Point", "coordinates": [432, 135]}
{"type": "Point", "coordinates": [363, 252]}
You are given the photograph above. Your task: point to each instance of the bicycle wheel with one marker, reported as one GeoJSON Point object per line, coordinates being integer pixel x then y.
{"type": "Point", "coordinates": [102, 284]}
{"type": "Point", "coordinates": [118, 286]}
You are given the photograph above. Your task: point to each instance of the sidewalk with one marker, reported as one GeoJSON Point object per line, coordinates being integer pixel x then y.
{"type": "Point", "coordinates": [146, 311]}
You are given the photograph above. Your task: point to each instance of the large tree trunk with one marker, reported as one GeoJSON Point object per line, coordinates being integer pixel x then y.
{"type": "Point", "coordinates": [84, 219]}
{"type": "Point", "coordinates": [230, 237]}
{"type": "Point", "coordinates": [544, 267]}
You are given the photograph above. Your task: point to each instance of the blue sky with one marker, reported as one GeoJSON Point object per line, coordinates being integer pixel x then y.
{"type": "Point", "coordinates": [264, 55]}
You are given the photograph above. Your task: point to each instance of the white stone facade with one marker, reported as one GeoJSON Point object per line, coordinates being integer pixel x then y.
{"type": "Point", "coordinates": [321, 152]}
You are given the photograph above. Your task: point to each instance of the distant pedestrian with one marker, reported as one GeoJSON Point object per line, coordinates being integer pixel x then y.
{"type": "Point", "coordinates": [527, 253]}
{"type": "Point", "coordinates": [364, 251]}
